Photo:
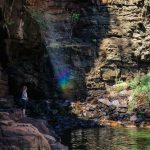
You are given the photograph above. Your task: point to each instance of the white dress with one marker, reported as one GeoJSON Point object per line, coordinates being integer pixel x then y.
{"type": "Point", "coordinates": [24, 95]}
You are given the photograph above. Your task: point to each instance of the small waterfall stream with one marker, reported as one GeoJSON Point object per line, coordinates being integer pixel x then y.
{"type": "Point", "coordinates": [73, 47]}
{"type": "Point", "coordinates": [55, 36]}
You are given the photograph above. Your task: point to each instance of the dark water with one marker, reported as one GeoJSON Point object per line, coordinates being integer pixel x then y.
{"type": "Point", "coordinates": [108, 139]}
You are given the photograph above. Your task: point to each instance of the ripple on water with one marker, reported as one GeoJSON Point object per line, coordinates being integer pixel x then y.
{"type": "Point", "coordinates": [108, 139]}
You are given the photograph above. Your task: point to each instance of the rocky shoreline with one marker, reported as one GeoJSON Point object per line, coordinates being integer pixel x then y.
{"type": "Point", "coordinates": [44, 130]}
{"type": "Point", "coordinates": [112, 109]}
{"type": "Point", "coordinates": [17, 132]}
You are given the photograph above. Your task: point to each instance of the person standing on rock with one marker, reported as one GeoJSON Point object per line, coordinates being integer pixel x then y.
{"type": "Point", "coordinates": [24, 100]}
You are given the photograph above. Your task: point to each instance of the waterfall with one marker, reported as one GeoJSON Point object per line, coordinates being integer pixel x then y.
{"type": "Point", "coordinates": [55, 34]}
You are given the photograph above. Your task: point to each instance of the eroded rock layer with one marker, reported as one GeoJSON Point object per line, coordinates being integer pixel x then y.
{"type": "Point", "coordinates": [74, 48]}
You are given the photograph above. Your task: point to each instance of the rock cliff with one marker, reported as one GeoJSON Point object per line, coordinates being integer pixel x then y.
{"type": "Point", "coordinates": [73, 49]}
{"type": "Point", "coordinates": [18, 133]}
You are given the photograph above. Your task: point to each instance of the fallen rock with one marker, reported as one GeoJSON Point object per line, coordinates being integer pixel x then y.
{"type": "Point", "coordinates": [104, 101]}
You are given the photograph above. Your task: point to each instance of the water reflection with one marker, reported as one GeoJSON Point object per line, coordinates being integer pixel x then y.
{"type": "Point", "coordinates": [108, 139]}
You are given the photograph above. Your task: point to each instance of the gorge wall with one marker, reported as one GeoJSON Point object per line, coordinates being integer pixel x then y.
{"type": "Point", "coordinates": [72, 49]}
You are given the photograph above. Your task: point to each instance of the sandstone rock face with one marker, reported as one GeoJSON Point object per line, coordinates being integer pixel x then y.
{"type": "Point", "coordinates": [50, 135]}
{"type": "Point", "coordinates": [75, 48]}
{"type": "Point", "coordinates": [71, 40]}
{"type": "Point", "coordinates": [124, 50]}
{"type": "Point", "coordinates": [23, 136]}
{"type": "Point", "coordinates": [109, 40]}
{"type": "Point", "coordinates": [20, 135]}
{"type": "Point", "coordinates": [22, 56]}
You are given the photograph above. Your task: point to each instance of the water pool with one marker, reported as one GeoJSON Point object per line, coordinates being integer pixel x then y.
{"type": "Point", "coordinates": [108, 139]}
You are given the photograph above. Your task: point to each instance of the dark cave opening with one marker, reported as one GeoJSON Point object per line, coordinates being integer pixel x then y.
{"type": "Point", "coordinates": [3, 37]}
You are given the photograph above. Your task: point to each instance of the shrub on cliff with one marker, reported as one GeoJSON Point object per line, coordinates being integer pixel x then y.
{"type": "Point", "coordinates": [141, 92]}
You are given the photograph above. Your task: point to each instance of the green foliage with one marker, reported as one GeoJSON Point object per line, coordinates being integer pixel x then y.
{"type": "Point", "coordinates": [118, 81]}
{"type": "Point", "coordinates": [141, 91]}
{"type": "Point", "coordinates": [141, 85]}
{"type": "Point", "coordinates": [75, 16]}
{"type": "Point", "coordinates": [133, 84]}
{"type": "Point", "coordinates": [120, 85]}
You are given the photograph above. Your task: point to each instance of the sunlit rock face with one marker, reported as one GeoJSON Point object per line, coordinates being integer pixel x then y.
{"type": "Point", "coordinates": [125, 50]}
{"type": "Point", "coordinates": [126, 46]}
{"type": "Point", "coordinates": [73, 49]}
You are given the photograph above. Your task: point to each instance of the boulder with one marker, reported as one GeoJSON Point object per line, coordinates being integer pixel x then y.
{"type": "Point", "coordinates": [38, 123]}
{"type": "Point", "coordinates": [104, 101]}
{"type": "Point", "coordinates": [22, 136]}
{"type": "Point", "coordinates": [133, 118]}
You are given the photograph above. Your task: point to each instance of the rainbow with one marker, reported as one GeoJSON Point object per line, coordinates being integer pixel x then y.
{"type": "Point", "coordinates": [65, 80]}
